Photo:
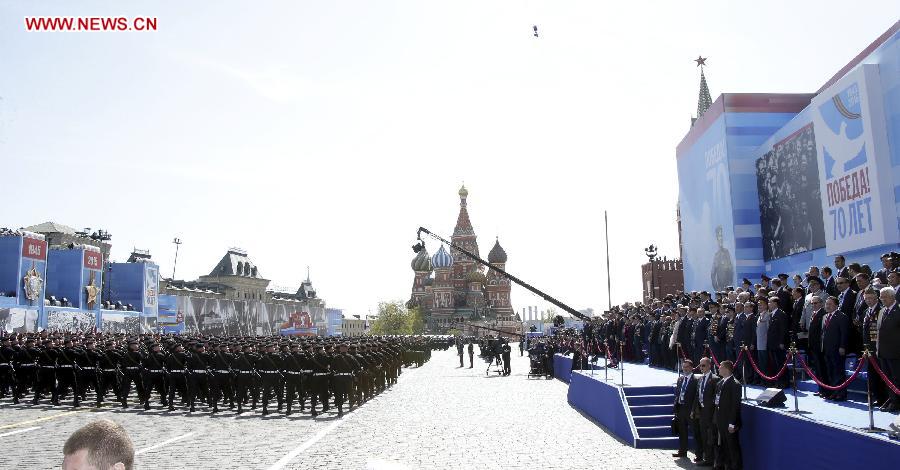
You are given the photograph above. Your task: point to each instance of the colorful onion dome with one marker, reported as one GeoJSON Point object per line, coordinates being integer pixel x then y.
{"type": "Point", "coordinates": [442, 259]}
{"type": "Point", "coordinates": [497, 254]}
{"type": "Point", "coordinates": [422, 262]}
{"type": "Point", "coordinates": [476, 276]}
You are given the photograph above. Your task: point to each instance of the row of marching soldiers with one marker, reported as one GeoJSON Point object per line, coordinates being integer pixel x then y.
{"type": "Point", "coordinates": [237, 372]}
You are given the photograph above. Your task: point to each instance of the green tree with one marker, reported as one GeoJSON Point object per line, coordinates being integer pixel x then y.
{"type": "Point", "coordinates": [393, 319]}
{"type": "Point", "coordinates": [416, 321]}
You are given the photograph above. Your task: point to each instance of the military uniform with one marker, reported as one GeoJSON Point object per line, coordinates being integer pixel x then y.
{"type": "Point", "coordinates": [222, 376]}
{"type": "Point", "coordinates": [154, 376]}
{"type": "Point", "coordinates": [198, 377]}
{"type": "Point", "coordinates": [320, 365]}
{"type": "Point", "coordinates": [7, 370]}
{"type": "Point", "coordinates": [46, 375]}
{"type": "Point", "coordinates": [269, 368]}
{"type": "Point", "coordinates": [26, 368]}
{"type": "Point", "coordinates": [67, 373]}
{"type": "Point", "coordinates": [246, 377]}
{"type": "Point", "coordinates": [293, 363]}
{"type": "Point", "coordinates": [344, 366]}
{"type": "Point", "coordinates": [107, 372]}
{"type": "Point", "coordinates": [130, 365]}
{"type": "Point", "coordinates": [176, 366]}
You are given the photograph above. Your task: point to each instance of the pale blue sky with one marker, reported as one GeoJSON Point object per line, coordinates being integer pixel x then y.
{"type": "Point", "coordinates": [324, 133]}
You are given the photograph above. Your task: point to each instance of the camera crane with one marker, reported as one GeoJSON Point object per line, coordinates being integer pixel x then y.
{"type": "Point", "coordinates": [420, 245]}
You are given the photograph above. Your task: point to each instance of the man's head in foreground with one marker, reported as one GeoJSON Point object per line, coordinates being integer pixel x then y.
{"type": "Point", "coordinates": [99, 445]}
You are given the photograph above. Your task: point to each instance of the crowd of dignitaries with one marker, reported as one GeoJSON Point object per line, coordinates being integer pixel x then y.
{"type": "Point", "coordinates": [233, 372]}
{"type": "Point", "coordinates": [827, 313]}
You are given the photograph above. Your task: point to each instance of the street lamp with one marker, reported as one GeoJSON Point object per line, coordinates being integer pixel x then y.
{"type": "Point", "coordinates": [651, 251]}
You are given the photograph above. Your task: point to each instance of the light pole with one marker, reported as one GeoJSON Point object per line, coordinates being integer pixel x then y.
{"type": "Point", "coordinates": [651, 251]}
{"type": "Point", "coordinates": [177, 242]}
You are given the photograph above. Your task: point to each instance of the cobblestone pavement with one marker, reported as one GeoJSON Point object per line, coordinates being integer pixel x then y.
{"type": "Point", "coordinates": [436, 417]}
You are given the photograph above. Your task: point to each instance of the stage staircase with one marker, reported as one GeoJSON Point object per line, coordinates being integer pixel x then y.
{"type": "Point", "coordinates": [651, 410]}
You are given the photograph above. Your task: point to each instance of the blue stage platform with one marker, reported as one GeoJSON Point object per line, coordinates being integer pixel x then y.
{"type": "Point", "coordinates": [640, 414]}
{"type": "Point", "coordinates": [562, 367]}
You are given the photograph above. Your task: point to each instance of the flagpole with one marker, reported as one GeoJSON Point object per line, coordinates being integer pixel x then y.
{"type": "Point", "coordinates": [608, 280]}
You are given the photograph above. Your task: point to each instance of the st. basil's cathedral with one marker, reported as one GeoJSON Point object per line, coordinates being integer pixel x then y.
{"type": "Point", "coordinates": [450, 288]}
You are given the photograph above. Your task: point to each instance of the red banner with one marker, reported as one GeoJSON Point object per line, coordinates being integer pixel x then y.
{"type": "Point", "coordinates": [93, 260]}
{"type": "Point", "coordinates": [33, 248]}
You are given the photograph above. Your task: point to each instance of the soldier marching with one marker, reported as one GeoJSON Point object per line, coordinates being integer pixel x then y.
{"type": "Point", "coordinates": [194, 372]}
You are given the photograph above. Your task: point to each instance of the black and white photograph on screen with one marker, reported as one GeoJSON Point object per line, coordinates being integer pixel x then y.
{"type": "Point", "coordinates": [790, 204]}
{"type": "Point", "coordinates": [71, 321]}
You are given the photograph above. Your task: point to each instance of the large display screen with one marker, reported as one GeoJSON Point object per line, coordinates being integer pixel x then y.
{"type": "Point", "coordinates": [790, 204]}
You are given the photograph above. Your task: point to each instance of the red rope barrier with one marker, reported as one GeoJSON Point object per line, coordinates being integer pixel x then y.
{"type": "Point", "coordinates": [712, 355]}
{"type": "Point", "coordinates": [884, 377]}
{"type": "Point", "coordinates": [842, 386]}
{"type": "Point", "coordinates": [774, 377]}
{"type": "Point", "coordinates": [680, 351]}
{"type": "Point", "coordinates": [685, 358]}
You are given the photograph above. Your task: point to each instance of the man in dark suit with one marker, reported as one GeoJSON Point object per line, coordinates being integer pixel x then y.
{"type": "Point", "coordinates": [887, 265]}
{"type": "Point", "coordinates": [683, 335]}
{"type": "Point", "coordinates": [653, 348]}
{"type": "Point", "coordinates": [719, 342]}
{"type": "Point", "coordinates": [834, 345]}
{"type": "Point", "coordinates": [871, 315]}
{"type": "Point", "coordinates": [685, 399]}
{"type": "Point", "coordinates": [728, 419]}
{"type": "Point", "coordinates": [747, 285]}
{"type": "Point", "coordinates": [783, 292]}
{"type": "Point", "coordinates": [705, 411]}
{"type": "Point", "coordinates": [738, 339]}
{"type": "Point", "coordinates": [846, 297]}
{"type": "Point", "coordinates": [814, 350]}
{"type": "Point", "coordinates": [750, 340]}
{"type": "Point", "coordinates": [830, 283]}
{"type": "Point", "coordinates": [698, 335]}
{"type": "Point", "coordinates": [776, 338]}
{"type": "Point", "coordinates": [795, 325]}
{"type": "Point", "coordinates": [857, 334]}
{"type": "Point", "coordinates": [888, 343]}
{"type": "Point", "coordinates": [840, 265]}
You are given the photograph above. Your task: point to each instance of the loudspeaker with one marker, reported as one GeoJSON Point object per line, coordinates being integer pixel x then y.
{"type": "Point", "coordinates": [895, 426]}
{"type": "Point", "coordinates": [771, 398]}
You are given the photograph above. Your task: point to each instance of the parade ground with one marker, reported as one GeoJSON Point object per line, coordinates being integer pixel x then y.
{"type": "Point", "coordinates": [437, 417]}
